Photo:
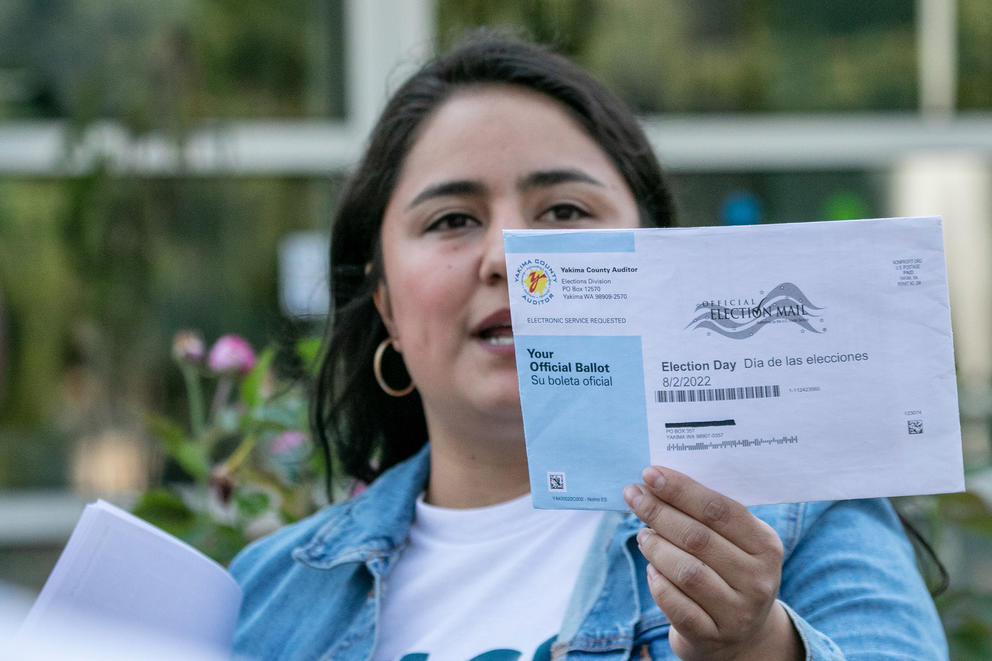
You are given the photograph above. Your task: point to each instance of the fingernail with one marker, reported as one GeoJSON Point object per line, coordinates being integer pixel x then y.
{"type": "Point", "coordinates": [653, 477]}
{"type": "Point", "coordinates": [632, 495]}
{"type": "Point", "coordinates": [642, 535]}
{"type": "Point", "coordinates": [652, 572]}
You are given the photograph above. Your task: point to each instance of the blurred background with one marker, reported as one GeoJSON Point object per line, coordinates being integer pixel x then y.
{"type": "Point", "coordinates": [172, 165]}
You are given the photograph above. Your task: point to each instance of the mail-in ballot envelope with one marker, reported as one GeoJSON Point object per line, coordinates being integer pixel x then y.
{"type": "Point", "coordinates": [772, 363]}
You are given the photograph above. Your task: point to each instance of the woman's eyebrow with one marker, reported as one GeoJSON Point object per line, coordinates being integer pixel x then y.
{"type": "Point", "coordinates": [444, 188]}
{"type": "Point", "coordinates": [538, 179]}
{"type": "Point", "coordinates": [546, 178]}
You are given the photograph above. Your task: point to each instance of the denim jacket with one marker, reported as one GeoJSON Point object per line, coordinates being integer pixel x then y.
{"type": "Point", "coordinates": [849, 582]}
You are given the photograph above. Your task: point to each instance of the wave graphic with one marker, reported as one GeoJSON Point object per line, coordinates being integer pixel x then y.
{"type": "Point", "coordinates": [785, 297]}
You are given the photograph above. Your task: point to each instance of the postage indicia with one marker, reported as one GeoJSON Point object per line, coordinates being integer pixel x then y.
{"type": "Point", "coordinates": [773, 363]}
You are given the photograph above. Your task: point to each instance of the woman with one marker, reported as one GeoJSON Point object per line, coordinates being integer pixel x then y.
{"type": "Point", "coordinates": [443, 557]}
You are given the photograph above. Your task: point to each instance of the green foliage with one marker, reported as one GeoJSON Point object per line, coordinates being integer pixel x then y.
{"type": "Point", "coordinates": [309, 351]}
{"type": "Point", "coordinates": [190, 455]}
{"type": "Point", "coordinates": [967, 617]}
{"type": "Point", "coordinates": [96, 272]}
{"type": "Point", "coordinates": [953, 523]}
{"type": "Point", "coordinates": [962, 511]}
{"type": "Point", "coordinates": [158, 65]}
{"type": "Point", "coordinates": [567, 24]}
{"type": "Point", "coordinates": [167, 510]}
{"type": "Point", "coordinates": [171, 513]}
{"type": "Point", "coordinates": [974, 54]}
{"type": "Point", "coordinates": [715, 55]}
{"type": "Point", "coordinates": [253, 504]}
{"type": "Point", "coordinates": [248, 465]}
{"type": "Point", "coordinates": [33, 259]}
{"type": "Point", "coordinates": [251, 386]}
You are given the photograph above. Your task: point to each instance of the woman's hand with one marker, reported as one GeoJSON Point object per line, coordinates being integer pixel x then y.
{"type": "Point", "coordinates": [713, 568]}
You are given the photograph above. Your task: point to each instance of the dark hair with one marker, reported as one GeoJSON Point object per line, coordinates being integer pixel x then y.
{"type": "Point", "coordinates": [368, 430]}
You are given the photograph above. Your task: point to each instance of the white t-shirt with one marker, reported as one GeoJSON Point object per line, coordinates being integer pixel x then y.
{"type": "Point", "coordinates": [473, 581]}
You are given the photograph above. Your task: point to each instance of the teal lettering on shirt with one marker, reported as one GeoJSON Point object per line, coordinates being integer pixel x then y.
{"type": "Point", "coordinates": [542, 653]}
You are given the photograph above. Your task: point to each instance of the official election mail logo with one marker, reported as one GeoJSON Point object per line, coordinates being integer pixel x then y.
{"type": "Point", "coordinates": [740, 318]}
{"type": "Point", "coordinates": [536, 280]}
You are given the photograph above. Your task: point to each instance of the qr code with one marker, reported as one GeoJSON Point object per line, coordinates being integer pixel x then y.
{"type": "Point", "coordinates": [914, 426]}
{"type": "Point", "coordinates": [556, 482]}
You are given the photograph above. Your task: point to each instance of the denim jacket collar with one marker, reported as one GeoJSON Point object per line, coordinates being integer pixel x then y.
{"type": "Point", "coordinates": [373, 526]}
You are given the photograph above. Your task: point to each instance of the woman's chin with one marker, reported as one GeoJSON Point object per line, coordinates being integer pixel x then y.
{"type": "Point", "coordinates": [503, 407]}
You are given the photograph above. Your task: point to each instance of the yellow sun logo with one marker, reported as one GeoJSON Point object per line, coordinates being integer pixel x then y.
{"type": "Point", "coordinates": [536, 281]}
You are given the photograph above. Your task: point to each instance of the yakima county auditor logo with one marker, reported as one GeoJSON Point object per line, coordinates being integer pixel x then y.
{"type": "Point", "coordinates": [740, 318]}
{"type": "Point", "coordinates": [537, 280]}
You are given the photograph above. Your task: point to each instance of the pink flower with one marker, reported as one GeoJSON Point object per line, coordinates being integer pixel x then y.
{"type": "Point", "coordinates": [287, 442]}
{"type": "Point", "coordinates": [188, 347]}
{"type": "Point", "coordinates": [231, 353]}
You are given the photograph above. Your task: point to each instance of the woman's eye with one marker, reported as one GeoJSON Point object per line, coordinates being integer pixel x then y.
{"type": "Point", "coordinates": [563, 212]}
{"type": "Point", "coordinates": [451, 221]}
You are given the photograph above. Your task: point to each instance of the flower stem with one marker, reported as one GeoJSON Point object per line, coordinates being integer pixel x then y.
{"type": "Point", "coordinates": [240, 453]}
{"type": "Point", "coordinates": [221, 394]}
{"type": "Point", "coordinates": [194, 392]}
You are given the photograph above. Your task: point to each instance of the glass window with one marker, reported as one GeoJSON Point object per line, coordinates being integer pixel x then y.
{"type": "Point", "coordinates": [689, 56]}
{"type": "Point", "coordinates": [163, 64]}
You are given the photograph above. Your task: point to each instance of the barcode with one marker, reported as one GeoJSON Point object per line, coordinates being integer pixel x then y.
{"type": "Point", "coordinates": [715, 394]}
{"type": "Point", "coordinates": [556, 482]}
{"type": "Point", "coordinates": [737, 443]}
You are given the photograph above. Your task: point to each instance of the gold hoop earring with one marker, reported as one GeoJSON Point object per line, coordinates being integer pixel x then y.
{"type": "Point", "coordinates": [377, 370]}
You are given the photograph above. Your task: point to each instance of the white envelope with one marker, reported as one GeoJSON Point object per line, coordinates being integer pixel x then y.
{"type": "Point", "coordinates": [773, 363]}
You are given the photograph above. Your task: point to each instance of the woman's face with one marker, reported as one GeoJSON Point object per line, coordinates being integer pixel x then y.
{"type": "Point", "coordinates": [489, 159]}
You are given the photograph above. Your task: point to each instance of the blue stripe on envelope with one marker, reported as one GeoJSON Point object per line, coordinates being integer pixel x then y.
{"type": "Point", "coordinates": [565, 241]}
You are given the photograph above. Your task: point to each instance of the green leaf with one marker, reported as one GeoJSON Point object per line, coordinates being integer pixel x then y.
{"type": "Point", "coordinates": [164, 428]}
{"type": "Point", "coordinates": [967, 619]}
{"type": "Point", "coordinates": [253, 503]}
{"type": "Point", "coordinates": [965, 510]}
{"type": "Point", "coordinates": [165, 509]}
{"type": "Point", "coordinates": [308, 350]}
{"type": "Point", "coordinates": [218, 541]}
{"type": "Point", "coordinates": [191, 456]}
{"type": "Point", "coordinates": [281, 415]}
{"type": "Point", "coordinates": [251, 386]}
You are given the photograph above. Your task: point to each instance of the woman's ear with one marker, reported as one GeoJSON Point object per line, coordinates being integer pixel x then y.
{"type": "Point", "coordinates": [381, 299]}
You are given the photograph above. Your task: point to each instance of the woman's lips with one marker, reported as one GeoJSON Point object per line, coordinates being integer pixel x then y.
{"type": "Point", "coordinates": [496, 329]}
{"type": "Point", "coordinates": [500, 337]}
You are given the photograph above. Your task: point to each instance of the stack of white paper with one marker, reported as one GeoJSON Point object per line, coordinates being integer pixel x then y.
{"type": "Point", "coordinates": [130, 576]}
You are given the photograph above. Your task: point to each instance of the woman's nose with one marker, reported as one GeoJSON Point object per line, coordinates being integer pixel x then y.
{"type": "Point", "coordinates": [492, 268]}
